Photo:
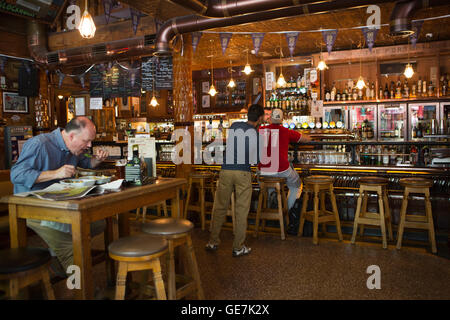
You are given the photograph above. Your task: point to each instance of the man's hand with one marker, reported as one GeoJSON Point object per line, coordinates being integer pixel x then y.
{"type": "Point", "coordinates": [66, 171]}
{"type": "Point", "coordinates": [100, 156]}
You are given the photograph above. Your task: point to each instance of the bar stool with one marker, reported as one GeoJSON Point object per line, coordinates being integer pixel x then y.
{"type": "Point", "coordinates": [159, 205]}
{"type": "Point", "coordinates": [138, 253]}
{"type": "Point", "coordinates": [362, 217]}
{"type": "Point", "coordinates": [231, 212]}
{"type": "Point", "coordinates": [417, 186]}
{"type": "Point", "coordinates": [24, 266]}
{"type": "Point", "coordinates": [178, 234]}
{"type": "Point", "coordinates": [262, 212]}
{"type": "Point", "coordinates": [198, 180]}
{"type": "Point", "coordinates": [319, 186]}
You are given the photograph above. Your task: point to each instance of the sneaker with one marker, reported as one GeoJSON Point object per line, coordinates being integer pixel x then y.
{"type": "Point", "coordinates": [211, 247]}
{"type": "Point", "coordinates": [243, 251]}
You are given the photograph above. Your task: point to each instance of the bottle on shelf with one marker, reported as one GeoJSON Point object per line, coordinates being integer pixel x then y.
{"type": "Point", "coordinates": [333, 92]}
{"type": "Point", "coordinates": [419, 87]}
{"type": "Point", "coordinates": [372, 91]}
{"type": "Point", "coordinates": [386, 91]}
{"type": "Point", "coordinates": [360, 94]}
{"type": "Point", "coordinates": [367, 97]}
{"type": "Point", "coordinates": [424, 88]}
{"type": "Point", "coordinates": [391, 90]}
{"type": "Point", "coordinates": [444, 85]}
{"type": "Point", "coordinates": [354, 94]}
{"type": "Point", "coordinates": [327, 94]}
{"type": "Point", "coordinates": [381, 93]}
{"type": "Point", "coordinates": [405, 89]}
{"type": "Point", "coordinates": [419, 133]}
{"type": "Point", "coordinates": [398, 89]}
{"type": "Point", "coordinates": [338, 95]}
{"type": "Point", "coordinates": [431, 89]}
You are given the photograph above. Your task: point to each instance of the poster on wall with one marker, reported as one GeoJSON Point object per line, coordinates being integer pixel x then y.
{"type": "Point", "coordinates": [96, 103]}
{"type": "Point", "coordinates": [206, 101]}
{"type": "Point", "coordinates": [80, 109]}
{"type": "Point", "coordinates": [205, 87]}
{"type": "Point", "coordinates": [12, 102]}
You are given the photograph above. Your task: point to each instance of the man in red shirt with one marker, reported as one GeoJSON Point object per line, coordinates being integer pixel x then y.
{"type": "Point", "coordinates": [274, 160]}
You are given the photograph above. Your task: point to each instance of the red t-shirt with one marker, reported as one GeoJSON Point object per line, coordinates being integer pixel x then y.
{"type": "Point", "coordinates": [286, 136]}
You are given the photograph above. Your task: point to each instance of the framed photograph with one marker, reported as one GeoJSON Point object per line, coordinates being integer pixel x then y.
{"type": "Point", "coordinates": [80, 109]}
{"type": "Point", "coordinates": [205, 87]}
{"type": "Point", "coordinates": [206, 101]}
{"type": "Point", "coordinates": [12, 102]}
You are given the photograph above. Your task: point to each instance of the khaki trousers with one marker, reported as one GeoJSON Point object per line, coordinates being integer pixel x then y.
{"type": "Point", "coordinates": [61, 242]}
{"type": "Point", "coordinates": [241, 182]}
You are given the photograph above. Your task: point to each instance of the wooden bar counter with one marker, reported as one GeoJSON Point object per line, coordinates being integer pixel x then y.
{"type": "Point", "coordinates": [80, 213]}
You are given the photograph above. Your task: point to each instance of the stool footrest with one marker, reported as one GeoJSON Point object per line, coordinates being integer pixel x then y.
{"type": "Point", "coordinates": [416, 225]}
{"type": "Point", "coordinates": [370, 215]}
{"type": "Point", "coordinates": [416, 218]}
{"type": "Point", "coordinates": [324, 218]}
{"type": "Point", "coordinates": [373, 222]}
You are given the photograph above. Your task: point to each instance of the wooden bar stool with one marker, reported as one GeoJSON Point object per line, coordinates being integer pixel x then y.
{"type": "Point", "coordinates": [200, 181]}
{"type": "Point", "coordinates": [262, 212]}
{"type": "Point", "coordinates": [382, 218]}
{"type": "Point", "coordinates": [159, 205]}
{"type": "Point", "coordinates": [138, 253]}
{"type": "Point", "coordinates": [25, 266]}
{"type": "Point", "coordinates": [417, 186]}
{"type": "Point", "coordinates": [178, 234]}
{"type": "Point", "coordinates": [319, 186]}
{"type": "Point", "coordinates": [231, 212]}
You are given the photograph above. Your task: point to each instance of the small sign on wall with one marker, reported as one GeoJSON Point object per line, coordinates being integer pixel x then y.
{"type": "Point", "coordinates": [269, 81]}
{"type": "Point", "coordinates": [205, 87]}
{"type": "Point", "coordinates": [80, 107]}
{"type": "Point", "coordinates": [317, 108]}
{"type": "Point", "coordinates": [96, 103]}
{"type": "Point", "coordinates": [206, 101]}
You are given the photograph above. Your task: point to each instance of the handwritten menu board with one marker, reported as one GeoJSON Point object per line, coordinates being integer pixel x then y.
{"type": "Point", "coordinates": [161, 69]}
{"type": "Point", "coordinates": [114, 83]}
{"type": "Point", "coordinates": [95, 82]}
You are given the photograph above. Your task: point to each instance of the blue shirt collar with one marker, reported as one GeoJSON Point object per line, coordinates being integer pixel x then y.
{"type": "Point", "coordinates": [59, 139]}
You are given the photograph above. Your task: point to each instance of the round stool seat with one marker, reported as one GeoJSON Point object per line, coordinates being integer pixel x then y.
{"type": "Point", "coordinates": [416, 182]}
{"type": "Point", "coordinates": [22, 259]}
{"type": "Point", "coordinates": [271, 179]}
{"type": "Point", "coordinates": [137, 246]}
{"type": "Point", "coordinates": [316, 179]}
{"type": "Point", "coordinates": [373, 180]}
{"type": "Point", "coordinates": [200, 175]}
{"type": "Point", "coordinates": [167, 226]}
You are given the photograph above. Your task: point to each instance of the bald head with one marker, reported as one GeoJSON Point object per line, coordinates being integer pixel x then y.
{"type": "Point", "coordinates": [78, 135]}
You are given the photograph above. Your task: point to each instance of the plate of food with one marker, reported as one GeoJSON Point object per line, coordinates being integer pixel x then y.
{"type": "Point", "coordinates": [97, 179]}
{"type": "Point", "coordinates": [78, 182]}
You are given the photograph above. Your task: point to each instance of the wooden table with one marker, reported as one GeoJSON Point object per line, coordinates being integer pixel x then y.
{"type": "Point", "coordinates": [80, 213]}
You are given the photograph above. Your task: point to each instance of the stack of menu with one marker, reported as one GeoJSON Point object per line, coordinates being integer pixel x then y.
{"type": "Point", "coordinates": [59, 192]}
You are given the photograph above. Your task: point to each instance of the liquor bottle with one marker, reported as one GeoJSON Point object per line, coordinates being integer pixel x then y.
{"type": "Point", "coordinates": [444, 87]}
{"type": "Point", "coordinates": [338, 95]}
{"type": "Point", "coordinates": [344, 95]}
{"type": "Point", "coordinates": [386, 91]}
{"type": "Point", "coordinates": [392, 92]}
{"type": "Point", "coordinates": [398, 89]}
{"type": "Point", "coordinates": [372, 91]}
{"type": "Point", "coordinates": [419, 87]}
{"type": "Point", "coordinates": [333, 92]}
{"type": "Point", "coordinates": [424, 88]}
{"type": "Point", "coordinates": [419, 131]}
{"type": "Point", "coordinates": [327, 94]}
{"type": "Point", "coordinates": [354, 94]}
{"type": "Point", "coordinates": [431, 89]}
{"type": "Point", "coordinates": [360, 94]}
{"type": "Point", "coordinates": [367, 97]}
{"type": "Point", "coordinates": [136, 159]}
{"type": "Point", "coordinates": [299, 80]}
{"type": "Point", "coordinates": [293, 83]}
{"type": "Point", "coordinates": [413, 92]}
{"type": "Point", "coordinates": [406, 89]}
{"type": "Point", "coordinates": [381, 92]}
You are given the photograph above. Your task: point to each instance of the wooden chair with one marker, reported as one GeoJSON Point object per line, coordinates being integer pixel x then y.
{"type": "Point", "coordinates": [382, 218]}
{"type": "Point", "coordinates": [199, 181]}
{"type": "Point", "coordinates": [416, 186]}
{"type": "Point", "coordinates": [178, 234]}
{"type": "Point", "coordinates": [264, 213]}
{"type": "Point", "coordinates": [138, 253]}
{"type": "Point", "coordinates": [22, 267]}
{"type": "Point", "coordinates": [231, 212]}
{"type": "Point", "coordinates": [319, 186]}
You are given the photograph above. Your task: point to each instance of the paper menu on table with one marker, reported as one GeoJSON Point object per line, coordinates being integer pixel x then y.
{"type": "Point", "coordinates": [147, 149]}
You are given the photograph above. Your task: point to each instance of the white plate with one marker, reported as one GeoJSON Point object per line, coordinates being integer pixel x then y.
{"type": "Point", "coordinates": [98, 179]}
{"type": "Point", "coordinates": [78, 182]}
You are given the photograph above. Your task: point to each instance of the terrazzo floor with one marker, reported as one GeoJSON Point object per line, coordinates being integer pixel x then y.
{"type": "Point", "coordinates": [296, 269]}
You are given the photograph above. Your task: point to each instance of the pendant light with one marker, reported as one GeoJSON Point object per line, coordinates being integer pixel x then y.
{"type": "Point", "coordinates": [322, 65]}
{"type": "Point", "coordinates": [409, 71]}
{"type": "Point", "coordinates": [212, 90]}
{"type": "Point", "coordinates": [247, 69]}
{"type": "Point", "coordinates": [154, 102]}
{"type": "Point", "coordinates": [360, 84]}
{"type": "Point", "coordinates": [281, 82]}
{"type": "Point", "coordinates": [87, 25]}
{"type": "Point", "coordinates": [231, 84]}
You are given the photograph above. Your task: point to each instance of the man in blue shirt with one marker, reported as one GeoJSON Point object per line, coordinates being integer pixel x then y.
{"type": "Point", "coordinates": [236, 175]}
{"type": "Point", "coordinates": [46, 159]}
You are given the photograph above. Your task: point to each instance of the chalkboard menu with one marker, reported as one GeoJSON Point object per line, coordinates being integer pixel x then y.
{"type": "Point", "coordinates": [161, 69]}
{"type": "Point", "coordinates": [96, 82]}
{"type": "Point", "coordinates": [114, 83]}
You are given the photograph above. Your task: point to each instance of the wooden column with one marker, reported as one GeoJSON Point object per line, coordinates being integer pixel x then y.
{"type": "Point", "coordinates": [182, 95]}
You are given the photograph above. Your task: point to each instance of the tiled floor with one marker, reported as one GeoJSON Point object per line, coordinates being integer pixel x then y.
{"type": "Point", "coordinates": [297, 269]}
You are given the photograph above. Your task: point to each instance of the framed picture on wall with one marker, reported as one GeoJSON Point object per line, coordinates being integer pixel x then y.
{"type": "Point", "coordinates": [12, 102]}
{"type": "Point", "coordinates": [205, 87]}
{"type": "Point", "coordinates": [206, 101]}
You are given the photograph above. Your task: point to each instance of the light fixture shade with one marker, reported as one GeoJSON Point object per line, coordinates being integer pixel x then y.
{"type": "Point", "coordinates": [231, 84]}
{"type": "Point", "coordinates": [60, 97]}
{"type": "Point", "coordinates": [281, 82]}
{"type": "Point", "coordinates": [154, 102]}
{"type": "Point", "coordinates": [87, 26]}
{"type": "Point", "coordinates": [212, 91]}
{"type": "Point", "coordinates": [360, 84]}
{"type": "Point", "coordinates": [409, 71]}
{"type": "Point", "coordinates": [247, 69]}
{"type": "Point", "coordinates": [322, 65]}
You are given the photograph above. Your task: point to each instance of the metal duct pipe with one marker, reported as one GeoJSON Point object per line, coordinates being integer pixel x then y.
{"type": "Point", "coordinates": [37, 41]}
{"type": "Point", "coordinates": [229, 8]}
{"type": "Point", "coordinates": [193, 23]}
{"type": "Point", "coordinates": [400, 21]}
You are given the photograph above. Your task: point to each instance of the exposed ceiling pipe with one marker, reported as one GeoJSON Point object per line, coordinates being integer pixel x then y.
{"type": "Point", "coordinates": [100, 52]}
{"type": "Point", "coordinates": [229, 8]}
{"type": "Point", "coordinates": [193, 23]}
{"type": "Point", "coordinates": [403, 12]}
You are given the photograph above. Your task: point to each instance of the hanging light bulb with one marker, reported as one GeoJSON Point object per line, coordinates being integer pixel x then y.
{"type": "Point", "coordinates": [231, 84]}
{"type": "Point", "coordinates": [409, 71]}
{"type": "Point", "coordinates": [281, 82]}
{"type": "Point", "coordinates": [212, 91]}
{"type": "Point", "coordinates": [87, 25]}
{"type": "Point", "coordinates": [322, 65]}
{"type": "Point", "coordinates": [247, 69]}
{"type": "Point", "coordinates": [360, 84]}
{"type": "Point", "coordinates": [154, 102]}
